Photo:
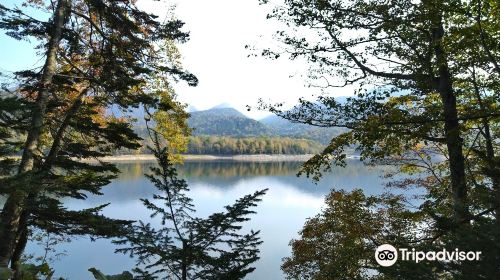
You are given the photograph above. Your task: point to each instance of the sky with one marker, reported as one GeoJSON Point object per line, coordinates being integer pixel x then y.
{"type": "Point", "coordinates": [216, 54]}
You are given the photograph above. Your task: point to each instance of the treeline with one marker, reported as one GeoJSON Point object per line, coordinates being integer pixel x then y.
{"type": "Point", "coordinates": [222, 145]}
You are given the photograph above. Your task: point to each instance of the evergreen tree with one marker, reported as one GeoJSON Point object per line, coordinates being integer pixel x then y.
{"type": "Point", "coordinates": [186, 247]}
{"type": "Point", "coordinates": [99, 57]}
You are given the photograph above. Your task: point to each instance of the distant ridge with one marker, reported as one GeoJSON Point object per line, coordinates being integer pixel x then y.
{"type": "Point", "coordinates": [286, 128]}
{"type": "Point", "coordinates": [223, 121]}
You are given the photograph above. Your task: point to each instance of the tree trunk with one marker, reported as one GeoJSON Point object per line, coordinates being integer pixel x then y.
{"type": "Point", "coordinates": [9, 225]}
{"type": "Point", "coordinates": [21, 237]}
{"type": "Point", "coordinates": [184, 261]}
{"type": "Point", "coordinates": [492, 171]}
{"type": "Point", "coordinates": [22, 233]}
{"type": "Point", "coordinates": [10, 218]}
{"type": "Point", "coordinates": [454, 142]}
{"type": "Point", "coordinates": [58, 138]}
{"type": "Point", "coordinates": [22, 240]}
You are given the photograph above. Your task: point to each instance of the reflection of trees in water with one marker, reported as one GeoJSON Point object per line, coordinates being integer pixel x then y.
{"type": "Point", "coordinates": [131, 183]}
{"type": "Point", "coordinates": [227, 168]}
{"type": "Point", "coordinates": [134, 170]}
{"type": "Point", "coordinates": [237, 169]}
{"type": "Point", "coordinates": [211, 169]}
{"type": "Point", "coordinates": [226, 174]}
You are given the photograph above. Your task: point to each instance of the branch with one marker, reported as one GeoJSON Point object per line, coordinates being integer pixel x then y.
{"type": "Point", "coordinates": [365, 68]}
{"type": "Point", "coordinates": [483, 39]}
{"type": "Point", "coordinates": [89, 20]}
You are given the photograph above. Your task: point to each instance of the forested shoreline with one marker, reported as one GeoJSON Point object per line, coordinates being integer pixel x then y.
{"type": "Point", "coordinates": [251, 145]}
{"type": "Point", "coordinates": [223, 145]}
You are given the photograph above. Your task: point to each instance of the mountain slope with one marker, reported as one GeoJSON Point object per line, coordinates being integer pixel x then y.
{"type": "Point", "coordinates": [283, 127]}
{"type": "Point", "coordinates": [225, 122]}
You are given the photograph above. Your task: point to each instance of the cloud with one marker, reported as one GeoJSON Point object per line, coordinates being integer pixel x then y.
{"type": "Point", "coordinates": [216, 53]}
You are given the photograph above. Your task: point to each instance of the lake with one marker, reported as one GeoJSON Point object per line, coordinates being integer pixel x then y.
{"type": "Point", "coordinates": [214, 184]}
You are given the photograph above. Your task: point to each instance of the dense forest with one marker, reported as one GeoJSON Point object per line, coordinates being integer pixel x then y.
{"type": "Point", "coordinates": [225, 131]}
{"type": "Point", "coordinates": [223, 145]}
{"type": "Point", "coordinates": [251, 145]}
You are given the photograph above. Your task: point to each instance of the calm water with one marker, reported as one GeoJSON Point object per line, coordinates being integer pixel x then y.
{"type": "Point", "coordinates": [280, 215]}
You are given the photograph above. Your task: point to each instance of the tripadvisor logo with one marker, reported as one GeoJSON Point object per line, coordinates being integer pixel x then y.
{"type": "Point", "coordinates": [387, 255]}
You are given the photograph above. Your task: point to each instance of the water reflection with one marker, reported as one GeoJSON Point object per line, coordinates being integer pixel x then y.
{"type": "Point", "coordinates": [281, 214]}
{"type": "Point", "coordinates": [226, 174]}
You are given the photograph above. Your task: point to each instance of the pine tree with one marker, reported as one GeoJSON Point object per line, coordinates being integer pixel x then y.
{"type": "Point", "coordinates": [99, 57]}
{"type": "Point", "coordinates": [186, 247]}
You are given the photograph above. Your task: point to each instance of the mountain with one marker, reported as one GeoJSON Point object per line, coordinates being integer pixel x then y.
{"type": "Point", "coordinates": [222, 106]}
{"type": "Point", "coordinates": [223, 121]}
{"type": "Point", "coordinates": [191, 109]}
{"type": "Point", "coordinates": [286, 128]}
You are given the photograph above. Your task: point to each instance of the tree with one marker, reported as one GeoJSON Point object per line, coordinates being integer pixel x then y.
{"type": "Point", "coordinates": [12, 210]}
{"type": "Point", "coordinates": [99, 276]}
{"type": "Point", "coordinates": [426, 81]}
{"type": "Point", "coordinates": [99, 57]}
{"type": "Point", "coordinates": [420, 53]}
{"type": "Point", "coordinates": [171, 118]}
{"type": "Point", "coordinates": [339, 243]}
{"type": "Point", "coordinates": [187, 247]}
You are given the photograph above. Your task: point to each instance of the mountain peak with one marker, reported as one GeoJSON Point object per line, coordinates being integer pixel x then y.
{"type": "Point", "coordinates": [225, 122]}
{"type": "Point", "coordinates": [222, 106]}
{"type": "Point", "coordinates": [223, 111]}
